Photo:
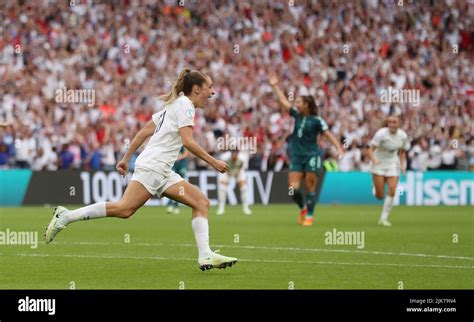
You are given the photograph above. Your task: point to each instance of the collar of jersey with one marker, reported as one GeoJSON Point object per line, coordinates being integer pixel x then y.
{"type": "Point", "coordinates": [188, 100]}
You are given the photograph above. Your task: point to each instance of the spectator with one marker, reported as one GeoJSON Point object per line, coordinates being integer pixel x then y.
{"type": "Point", "coordinates": [65, 158]}
{"type": "Point", "coordinates": [87, 46]}
{"type": "Point", "coordinates": [3, 153]}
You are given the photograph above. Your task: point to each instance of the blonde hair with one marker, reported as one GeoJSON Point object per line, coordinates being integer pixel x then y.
{"type": "Point", "coordinates": [184, 84]}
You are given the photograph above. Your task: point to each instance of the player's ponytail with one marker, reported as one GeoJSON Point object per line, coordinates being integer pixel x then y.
{"type": "Point", "coordinates": [184, 84]}
{"type": "Point", "coordinates": [312, 107]}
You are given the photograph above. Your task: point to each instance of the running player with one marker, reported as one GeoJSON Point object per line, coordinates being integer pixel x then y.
{"type": "Point", "coordinates": [236, 161]}
{"type": "Point", "coordinates": [305, 154]}
{"type": "Point", "coordinates": [168, 130]}
{"type": "Point", "coordinates": [387, 162]}
{"type": "Point", "coordinates": [181, 168]}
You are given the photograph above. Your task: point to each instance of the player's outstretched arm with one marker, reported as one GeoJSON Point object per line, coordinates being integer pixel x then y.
{"type": "Point", "coordinates": [331, 138]}
{"type": "Point", "coordinates": [190, 144]}
{"type": "Point", "coordinates": [279, 93]}
{"type": "Point", "coordinates": [140, 137]}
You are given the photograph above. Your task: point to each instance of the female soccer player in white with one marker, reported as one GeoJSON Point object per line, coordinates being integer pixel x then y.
{"type": "Point", "coordinates": [236, 161]}
{"type": "Point", "coordinates": [386, 163]}
{"type": "Point", "coordinates": [168, 130]}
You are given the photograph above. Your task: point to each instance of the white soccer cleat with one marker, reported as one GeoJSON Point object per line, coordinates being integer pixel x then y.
{"type": "Point", "coordinates": [216, 261]}
{"type": "Point", "coordinates": [176, 211]}
{"type": "Point", "coordinates": [247, 211]}
{"type": "Point", "coordinates": [169, 209]}
{"type": "Point", "coordinates": [55, 225]}
{"type": "Point", "coordinates": [220, 211]}
{"type": "Point", "coordinates": [385, 222]}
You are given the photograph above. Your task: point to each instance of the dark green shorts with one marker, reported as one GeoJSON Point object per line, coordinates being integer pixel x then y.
{"type": "Point", "coordinates": [310, 163]}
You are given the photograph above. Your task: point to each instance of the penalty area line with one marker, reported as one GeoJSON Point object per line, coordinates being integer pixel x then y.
{"type": "Point", "coordinates": [249, 260]}
{"type": "Point", "coordinates": [292, 249]}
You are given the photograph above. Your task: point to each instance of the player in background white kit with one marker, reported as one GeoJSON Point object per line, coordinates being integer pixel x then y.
{"type": "Point", "coordinates": [169, 130]}
{"type": "Point", "coordinates": [387, 162]}
{"type": "Point", "coordinates": [237, 161]}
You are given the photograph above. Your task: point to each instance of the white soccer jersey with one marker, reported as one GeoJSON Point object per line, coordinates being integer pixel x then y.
{"type": "Point", "coordinates": [162, 149]}
{"type": "Point", "coordinates": [388, 145]}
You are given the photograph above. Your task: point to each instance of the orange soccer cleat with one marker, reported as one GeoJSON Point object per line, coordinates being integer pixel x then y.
{"type": "Point", "coordinates": [308, 221]}
{"type": "Point", "coordinates": [302, 215]}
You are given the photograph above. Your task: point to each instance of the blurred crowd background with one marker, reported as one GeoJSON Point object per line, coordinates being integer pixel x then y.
{"type": "Point", "coordinates": [344, 53]}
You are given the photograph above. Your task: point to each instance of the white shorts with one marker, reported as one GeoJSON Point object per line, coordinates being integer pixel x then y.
{"type": "Point", "coordinates": [386, 172]}
{"type": "Point", "coordinates": [155, 182]}
{"type": "Point", "coordinates": [225, 177]}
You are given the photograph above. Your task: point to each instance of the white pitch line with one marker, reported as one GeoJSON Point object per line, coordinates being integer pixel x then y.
{"type": "Point", "coordinates": [296, 249]}
{"type": "Point", "coordinates": [247, 260]}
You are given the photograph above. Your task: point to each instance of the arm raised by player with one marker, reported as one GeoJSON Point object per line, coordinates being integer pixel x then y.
{"type": "Point", "coordinates": [140, 137]}
{"type": "Point", "coordinates": [279, 93]}
{"type": "Point", "coordinates": [190, 144]}
{"type": "Point", "coordinates": [331, 138]}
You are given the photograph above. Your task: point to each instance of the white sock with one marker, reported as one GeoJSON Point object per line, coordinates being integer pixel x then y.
{"type": "Point", "coordinates": [221, 195]}
{"type": "Point", "coordinates": [93, 211]}
{"type": "Point", "coordinates": [387, 207]}
{"type": "Point", "coordinates": [243, 195]}
{"type": "Point", "coordinates": [201, 233]}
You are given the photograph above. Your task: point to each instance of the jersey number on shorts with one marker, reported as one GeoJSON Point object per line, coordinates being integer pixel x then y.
{"type": "Point", "coordinates": [160, 121]}
{"type": "Point", "coordinates": [312, 162]}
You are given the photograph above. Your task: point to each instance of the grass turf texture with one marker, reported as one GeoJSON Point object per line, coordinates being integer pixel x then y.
{"type": "Point", "coordinates": [274, 251]}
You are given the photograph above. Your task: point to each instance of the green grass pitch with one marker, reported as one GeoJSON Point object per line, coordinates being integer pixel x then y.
{"type": "Point", "coordinates": [426, 248]}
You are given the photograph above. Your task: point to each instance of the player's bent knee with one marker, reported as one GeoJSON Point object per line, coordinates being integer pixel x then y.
{"type": "Point", "coordinates": [126, 212]}
{"type": "Point", "coordinates": [379, 195]}
{"type": "Point", "coordinates": [294, 185]}
{"type": "Point", "coordinates": [203, 205]}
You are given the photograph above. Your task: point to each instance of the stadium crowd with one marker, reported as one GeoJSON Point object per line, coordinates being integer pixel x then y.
{"type": "Point", "coordinates": [344, 53]}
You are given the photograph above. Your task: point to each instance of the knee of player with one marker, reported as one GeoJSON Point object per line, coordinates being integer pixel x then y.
{"type": "Point", "coordinates": [310, 185]}
{"type": "Point", "coordinates": [379, 195]}
{"type": "Point", "coordinates": [127, 212]}
{"type": "Point", "coordinates": [203, 204]}
{"type": "Point", "coordinates": [294, 186]}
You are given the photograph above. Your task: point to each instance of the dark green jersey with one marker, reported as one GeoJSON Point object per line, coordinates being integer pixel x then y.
{"type": "Point", "coordinates": [305, 134]}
